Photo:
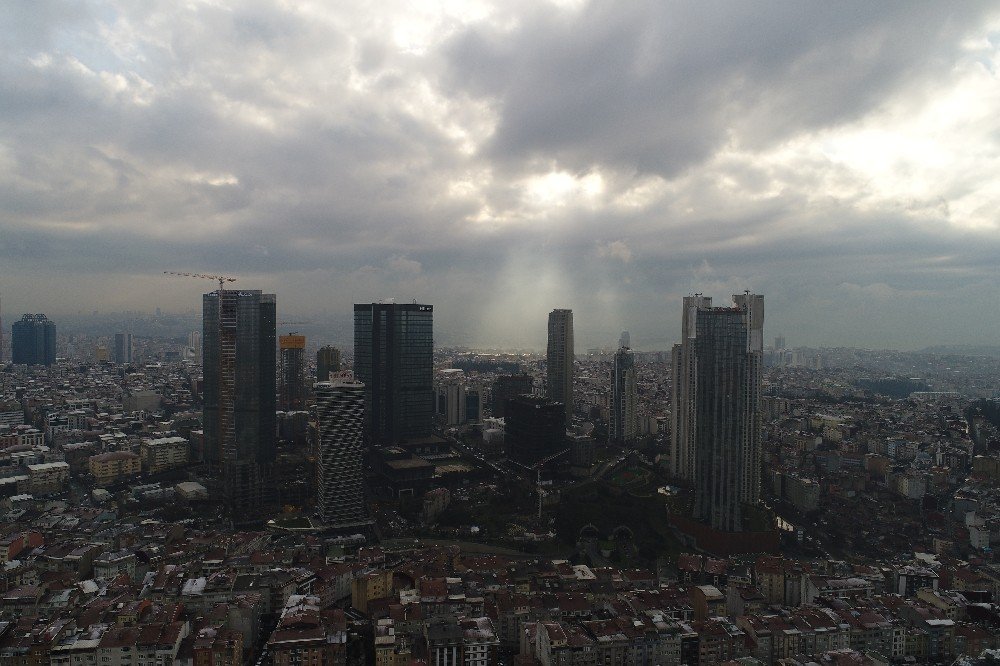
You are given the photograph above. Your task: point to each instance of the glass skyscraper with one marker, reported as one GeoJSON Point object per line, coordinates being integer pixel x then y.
{"type": "Point", "coordinates": [239, 392]}
{"type": "Point", "coordinates": [33, 340]}
{"type": "Point", "coordinates": [393, 357]}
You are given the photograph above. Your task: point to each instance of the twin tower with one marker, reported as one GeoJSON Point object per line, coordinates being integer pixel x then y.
{"type": "Point", "coordinates": [715, 433]}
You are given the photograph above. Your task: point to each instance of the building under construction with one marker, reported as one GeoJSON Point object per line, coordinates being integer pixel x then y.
{"type": "Point", "coordinates": [293, 372]}
{"type": "Point", "coordinates": [239, 396]}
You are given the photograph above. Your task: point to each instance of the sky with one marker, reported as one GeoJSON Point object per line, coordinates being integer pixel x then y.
{"type": "Point", "coordinates": [501, 159]}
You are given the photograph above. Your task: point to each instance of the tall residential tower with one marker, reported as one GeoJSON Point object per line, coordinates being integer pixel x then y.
{"type": "Point", "coordinates": [728, 351]}
{"type": "Point", "coordinates": [623, 426]}
{"type": "Point", "coordinates": [682, 390]}
{"type": "Point", "coordinates": [340, 417]}
{"type": "Point", "coordinates": [559, 359]}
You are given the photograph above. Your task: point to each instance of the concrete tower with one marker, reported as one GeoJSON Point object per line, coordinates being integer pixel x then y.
{"type": "Point", "coordinates": [293, 373]}
{"type": "Point", "coordinates": [559, 359]}
{"type": "Point", "coordinates": [728, 356]}
{"type": "Point", "coordinates": [682, 381]}
{"type": "Point", "coordinates": [623, 426]}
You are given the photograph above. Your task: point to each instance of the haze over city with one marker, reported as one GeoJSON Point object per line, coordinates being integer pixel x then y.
{"type": "Point", "coordinates": [503, 159]}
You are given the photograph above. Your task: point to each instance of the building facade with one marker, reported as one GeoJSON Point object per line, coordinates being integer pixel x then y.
{"type": "Point", "coordinates": [340, 409]}
{"type": "Point", "coordinates": [559, 360]}
{"type": "Point", "coordinates": [293, 373]}
{"type": "Point", "coordinates": [124, 348]}
{"type": "Point", "coordinates": [327, 361]}
{"type": "Point", "coordinates": [240, 393]}
{"type": "Point", "coordinates": [728, 356]}
{"type": "Point", "coordinates": [682, 392]}
{"type": "Point", "coordinates": [393, 346]}
{"type": "Point", "coordinates": [33, 340]}
{"type": "Point", "coordinates": [624, 396]}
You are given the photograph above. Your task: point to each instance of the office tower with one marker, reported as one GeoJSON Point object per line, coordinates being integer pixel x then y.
{"type": "Point", "coordinates": [33, 340]}
{"type": "Point", "coordinates": [293, 372]}
{"type": "Point", "coordinates": [623, 426]}
{"type": "Point", "coordinates": [559, 359]}
{"type": "Point", "coordinates": [682, 382]}
{"type": "Point", "coordinates": [340, 411]}
{"type": "Point", "coordinates": [779, 342]}
{"type": "Point", "coordinates": [239, 394]}
{"type": "Point", "coordinates": [393, 345]}
{"type": "Point", "coordinates": [327, 361]}
{"type": "Point", "coordinates": [728, 351]}
{"type": "Point", "coordinates": [535, 428]}
{"type": "Point", "coordinates": [506, 387]}
{"type": "Point", "coordinates": [123, 348]}
{"type": "Point", "coordinates": [624, 340]}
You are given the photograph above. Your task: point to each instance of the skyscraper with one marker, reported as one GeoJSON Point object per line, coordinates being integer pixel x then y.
{"type": "Point", "coordinates": [293, 373]}
{"type": "Point", "coordinates": [239, 404]}
{"type": "Point", "coordinates": [559, 359]}
{"type": "Point", "coordinates": [682, 381]}
{"type": "Point", "coordinates": [623, 398]}
{"type": "Point", "coordinates": [728, 351]}
{"type": "Point", "coordinates": [393, 357]}
{"type": "Point", "coordinates": [33, 340]}
{"type": "Point", "coordinates": [340, 410]}
{"type": "Point", "coordinates": [327, 361]}
{"type": "Point", "coordinates": [123, 348]}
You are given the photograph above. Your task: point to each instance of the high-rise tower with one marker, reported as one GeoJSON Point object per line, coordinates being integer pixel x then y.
{"type": "Point", "coordinates": [327, 361]}
{"type": "Point", "coordinates": [340, 410]}
{"type": "Point", "coordinates": [123, 347]}
{"type": "Point", "coordinates": [239, 405]}
{"type": "Point", "coordinates": [682, 382]}
{"type": "Point", "coordinates": [623, 426]}
{"type": "Point", "coordinates": [393, 357]}
{"type": "Point", "coordinates": [559, 359]}
{"type": "Point", "coordinates": [293, 372]}
{"type": "Point", "coordinates": [33, 340]}
{"type": "Point", "coordinates": [728, 350]}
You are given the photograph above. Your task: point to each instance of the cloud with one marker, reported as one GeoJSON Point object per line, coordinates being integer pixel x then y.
{"type": "Point", "coordinates": [403, 265]}
{"type": "Point", "coordinates": [477, 155]}
{"type": "Point", "coordinates": [618, 249]}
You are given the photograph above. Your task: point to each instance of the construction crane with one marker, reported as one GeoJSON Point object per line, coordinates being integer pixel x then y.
{"type": "Point", "coordinates": [225, 364]}
{"type": "Point", "coordinates": [221, 279]}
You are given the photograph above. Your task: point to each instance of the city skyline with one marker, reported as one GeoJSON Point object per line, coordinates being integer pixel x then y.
{"type": "Point", "coordinates": [838, 159]}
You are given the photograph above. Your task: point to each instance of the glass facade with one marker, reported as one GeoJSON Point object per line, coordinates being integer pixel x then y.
{"type": "Point", "coordinates": [393, 347]}
{"type": "Point", "coordinates": [33, 340]}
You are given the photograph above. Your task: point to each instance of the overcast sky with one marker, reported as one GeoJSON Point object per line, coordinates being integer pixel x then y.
{"type": "Point", "coordinates": [502, 159]}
